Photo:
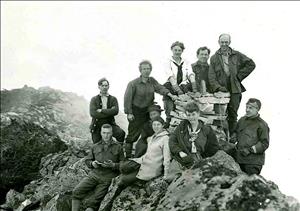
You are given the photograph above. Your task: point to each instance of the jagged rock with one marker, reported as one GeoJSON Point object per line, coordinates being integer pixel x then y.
{"type": "Point", "coordinates": [217, 183]}
{"type": "Point", "coordinates": [23, 144]}
{"type": "Point", "coordinates": [137, 197]}
{"type": "Point", "coordinates": [13, 199]}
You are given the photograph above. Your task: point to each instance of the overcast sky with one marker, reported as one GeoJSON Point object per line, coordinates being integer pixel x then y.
{"type": "Point", "coordinates": [70, 45]}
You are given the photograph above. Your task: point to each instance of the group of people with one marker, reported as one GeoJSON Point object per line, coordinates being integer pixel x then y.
{"type": "Point", "coordinates": [157, 148]}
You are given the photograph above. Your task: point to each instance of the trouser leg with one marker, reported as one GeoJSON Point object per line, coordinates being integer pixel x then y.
{"type": "Point", "coordinates": [129, 170]}
{"type": "Point", "coordinates": [118, 133]}
{"type": "Point", "coordinates": [168, 106]}
{"type": "Point", "coordinates": [81, 190]}
{"type": "Point", "coordinates": [232, 110]}
{"type": "Point", "coordinates": [100, 192]}
{"type": "Point", "coordinates": [134, 131]}
{"type": "Point", "coordinates": [96, 136]}
{"type": "Point", "coordinates": [251, 169]}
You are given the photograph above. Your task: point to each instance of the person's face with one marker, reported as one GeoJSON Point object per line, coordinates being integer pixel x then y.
{"type": "Point", "coordinates": [224, 42]}
{"type": "Point", "coordinates": [251, 109]}
{"type": "Point", "coordinates": [106, 134]}
{"type": "Point", "coordinates": [203, 56]}
{"type": "Point", "coordinates": [192, 117]}
{"type": "Point", "coordinates": [154, 114]}
{"type": "Point", "coordinates": [104, 87]}
{"type": "Point", "coordinates": [157, 126]}
{"type": "Point", "coordinates": [145, 70]}
{"type": "Point", "coordinates": [177, 51]}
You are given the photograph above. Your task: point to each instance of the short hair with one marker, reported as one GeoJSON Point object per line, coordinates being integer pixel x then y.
{"type": "Point", "coordinates": [145, 62]}
{"type": "Point", "coordinates": [177, 43]}
{"type": "Point", "coordinates": [191, 107]}
{"type": "Point", "coordinates": [203, 49]}
{"type": "Point", "coordinates": [224, 34]}
{"type": "Point", "coordinates": [102, 80]}
{"type": "Point", "coordinates": [106, 126]}
{"type": "Point", "coordinates": [254, 100]}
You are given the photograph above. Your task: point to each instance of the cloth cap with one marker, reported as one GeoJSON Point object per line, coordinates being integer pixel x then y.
{"type": "Point", "coordinates": [155, 108]}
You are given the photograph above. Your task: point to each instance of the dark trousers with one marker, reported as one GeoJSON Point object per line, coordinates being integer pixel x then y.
{"type": "Point", "coordinates": [135, 128]}
{"type": "Point", "coordinates": [251, 169]}
{"type": "Point", "coordinates": [118, 133]}
{"type": "Point", "coordinates": [168, 106]}
{"type": "Point", "coordinates": [129, 170]}
{"type": "Point", "coordinates": [232, 110]}
{"type": "Point", "coordinates": [100, 188]}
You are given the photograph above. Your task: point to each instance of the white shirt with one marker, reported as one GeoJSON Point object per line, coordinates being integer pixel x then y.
{"type": "Point", "coordinates": [171, 70]}
{"type": "Point", "coordinates": [104, 99]}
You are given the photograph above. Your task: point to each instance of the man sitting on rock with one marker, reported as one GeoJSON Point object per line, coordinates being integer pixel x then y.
{"type": "Point", "coordinates": [103, 108]}
{"type": "Point", "coordinates": [147, 131]}
{"type": "Point", "coordinates": [252, 136]}
{"type": "Point", "coordinates": [103, 159]}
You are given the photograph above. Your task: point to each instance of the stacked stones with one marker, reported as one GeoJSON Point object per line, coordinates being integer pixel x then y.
{"type": "Point", "coordinates": [212, 106]}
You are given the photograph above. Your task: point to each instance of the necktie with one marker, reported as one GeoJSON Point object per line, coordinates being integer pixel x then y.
{"type": "Point", "coordinates": [179, 72]}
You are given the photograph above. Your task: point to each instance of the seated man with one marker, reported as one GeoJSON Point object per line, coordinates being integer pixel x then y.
{"type": "Point", "coordinates": [192, 140]}
{"type": "Point", "coordinates": [147, 131]}
{"type": "Point", "coordinates": [103, 108]}
{"type": "Point", "coordinates": [252, 136]}
{"type": "Point", "coordinates": [103, 159]}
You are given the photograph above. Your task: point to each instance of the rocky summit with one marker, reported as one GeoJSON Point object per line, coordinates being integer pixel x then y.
{"type": "Point", "coordinates": [44, 137]}
{"type": "Point", "coordinates": [34, 124]}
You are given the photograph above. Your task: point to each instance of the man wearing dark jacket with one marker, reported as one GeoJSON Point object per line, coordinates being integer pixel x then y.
{"type": "Point", "coordinates": [200, 68]}
{"type": "Point", "coordinates": [228, 68]}
{"type": "Point", "coordinates": [252, 136]}
{"type": "Point", "coordinates": [104, 161]}
{"type": "Point", "coordinates": [103, 108]}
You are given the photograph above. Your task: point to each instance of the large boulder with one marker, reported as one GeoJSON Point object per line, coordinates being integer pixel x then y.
{"type": "Point", "coordinates": [215, 183]}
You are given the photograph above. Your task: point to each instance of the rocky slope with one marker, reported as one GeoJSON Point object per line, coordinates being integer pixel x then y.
{"type": "Point", "coordinates": [37, 126]}
{"type": "Point", "coordinates": [35, 123]}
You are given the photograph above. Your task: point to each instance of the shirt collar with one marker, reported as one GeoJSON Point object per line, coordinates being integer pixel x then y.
{"type": "Point", "coordinates": [253, 117]}
{"type": "Point", "coordinates": [181, 60]}
{"type": "Point", "coordinates": [201, 64]}
{"type": "Point", "coordinates": [141, 81]}
{"type": "Point", "coordinates": [101, 95]}
{"type": "Point", "coordinates": [107, 143]}
{"type": "Point", "coordinates": [230, 51]}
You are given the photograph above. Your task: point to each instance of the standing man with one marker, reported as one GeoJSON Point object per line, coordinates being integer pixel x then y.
{"type": "Point", "coordinates": [227, 70]}
{"type": "Point", "coordinates": [138, 97]}
{"type": "Point", "coordinates": [103, 108]}
{"type": "Point", "coordinates": [103, 159]}
{"type": "Point", "coordinates": [200, 68]}
{"type": "Point", "coordinates": [179, 76]}
{"type": "Point", "coordinates": [252, 136]}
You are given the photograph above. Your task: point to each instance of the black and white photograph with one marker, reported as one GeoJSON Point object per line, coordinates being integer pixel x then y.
{"type": "Point", "coordinates": [150, 105]}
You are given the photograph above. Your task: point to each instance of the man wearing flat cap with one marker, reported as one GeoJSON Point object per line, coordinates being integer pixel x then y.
{"type": "Point", "coordinates": [147, 131]}
{"type": "Point", "coordinates": [252, 136]}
